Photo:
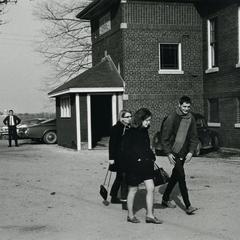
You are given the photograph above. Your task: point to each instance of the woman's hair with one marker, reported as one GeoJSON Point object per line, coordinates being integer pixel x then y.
{"type": "Point", "coordinates": [139, 116]}
{"type": "Point", "coordinates": [122, 113]}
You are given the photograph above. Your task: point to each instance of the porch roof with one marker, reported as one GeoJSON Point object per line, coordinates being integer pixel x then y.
{"type": "Point", "coordinates": [103, 77]}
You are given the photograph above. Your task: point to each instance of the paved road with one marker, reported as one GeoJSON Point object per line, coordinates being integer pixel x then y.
{"type": "Point", "coordinates": [49, 192]}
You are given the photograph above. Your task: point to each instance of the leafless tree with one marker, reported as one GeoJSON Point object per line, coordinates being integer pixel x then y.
{"type": "Point", "coordinates": [66, 42]}
{"type": "Point", "coordinates": [3, 4]}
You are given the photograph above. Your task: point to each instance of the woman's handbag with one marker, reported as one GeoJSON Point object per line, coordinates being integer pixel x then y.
{"type": "Point", "coordinates": [103, 188]}
{"type": "Point", "coordinates": [160, 175]}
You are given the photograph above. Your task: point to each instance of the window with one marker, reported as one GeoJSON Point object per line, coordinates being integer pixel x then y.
{"type": "Point", "coordinates": [238, 109]}
{"type": "Point", "coordinates": [65, 107]}
{"type": "Point", "coordinates": [213, 110]}
{"type": "Point", "coordinates": [104, 24]}
{"type": "Point", "coordinates": [212, 45]}
{"type": "Point", "coordinates": [170, 58]}
{"type": "Point", "coordinates": [238, 64]}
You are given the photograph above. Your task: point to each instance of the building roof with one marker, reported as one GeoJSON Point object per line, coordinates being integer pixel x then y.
{"type": "Point", "coordinates": [100, 7]}
{"type": "Point", "coordinates": [103, 77]}
{"type": "Point", "coordinates": [96, 8]}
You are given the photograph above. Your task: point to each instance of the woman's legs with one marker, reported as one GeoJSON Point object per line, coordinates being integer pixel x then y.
{"type": "Point", "coordinates": [149, 197]}
{"type": "Point", "coordinates": [130, 199]}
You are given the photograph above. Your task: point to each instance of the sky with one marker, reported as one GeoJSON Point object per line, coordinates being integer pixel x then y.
{"type": "Point", "coordinates": [22, 69]}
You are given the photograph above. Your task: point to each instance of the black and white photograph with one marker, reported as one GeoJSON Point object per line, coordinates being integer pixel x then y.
{"type": "Point", "coordinates": [119, 119]}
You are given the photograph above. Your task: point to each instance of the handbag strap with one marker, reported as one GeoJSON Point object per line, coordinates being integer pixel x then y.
{"type": "Point", "coordinates": [156, 166]}
{"type": "Point", "coordinates": [108, 179]}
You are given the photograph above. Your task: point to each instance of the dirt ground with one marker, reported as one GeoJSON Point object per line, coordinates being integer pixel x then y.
{"type": "Point", "coordinates": [49, 192]}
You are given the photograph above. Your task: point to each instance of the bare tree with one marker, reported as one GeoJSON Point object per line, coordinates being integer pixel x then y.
{"type": "Point", "coordinates": [66, 42]}
{"type": "Point", "coordinates": [3, 4]}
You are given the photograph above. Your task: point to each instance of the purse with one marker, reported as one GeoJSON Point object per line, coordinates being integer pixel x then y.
{"type": "Point", "coordinates": [104, 189]}
{"type": "Point", "coordinates": [160, 175]}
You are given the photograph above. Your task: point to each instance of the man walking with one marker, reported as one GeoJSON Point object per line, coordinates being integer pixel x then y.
{"type": "Point", "coordinates": [12, 121]}
{"type": "Point", "coordinates": [179, 140]}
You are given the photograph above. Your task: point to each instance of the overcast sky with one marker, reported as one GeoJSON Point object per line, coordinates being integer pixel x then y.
{"type": "Point", "coordinates": [22, 72]}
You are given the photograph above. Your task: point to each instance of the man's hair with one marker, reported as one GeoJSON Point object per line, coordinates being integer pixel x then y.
{"type": "Point", "coordinates": [123, 112]}
{"type": "Point", "coordinates": [139, 116]}
{"type": "Point", "coordinates": [185, 99]}
{"type": "Point", "coordinates": [10, 111]}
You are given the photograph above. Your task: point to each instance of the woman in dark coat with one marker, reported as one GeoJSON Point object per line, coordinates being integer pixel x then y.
{"type": "Point", "coordinates": [140, 163]}
{"type": "Point", "coordinates": [116, 160]}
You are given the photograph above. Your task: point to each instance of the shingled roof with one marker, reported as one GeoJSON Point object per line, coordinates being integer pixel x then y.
{"type": "Point", "coordinates": [103, 77]}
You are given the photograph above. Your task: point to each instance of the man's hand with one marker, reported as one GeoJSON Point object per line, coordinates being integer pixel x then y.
{"type": "Point", "coordinates": [111, 162]}
{"type": "Point", "coordinates": [171, 158]}
{"type": "Point", "coordinates": [188, 157]}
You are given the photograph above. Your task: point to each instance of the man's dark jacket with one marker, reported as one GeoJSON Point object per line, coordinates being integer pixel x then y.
{"type": "Point", "coordinates": [16, 120]}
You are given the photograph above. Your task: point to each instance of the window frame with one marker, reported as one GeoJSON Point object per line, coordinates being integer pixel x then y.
{"type": "Point", "coordinates": [212, 45]}
{"type": "Point", "coordinates": [105, 24]}
{"type": "Point", "coordinates": [65, 107]}
{"type": "Point", "coordinates": [237, 124]}
{"type": "Point", "coordinates": [211, 123]}
{"type": "Point", "coordinates": [238, 64]}
{"type": "Point", "coordinates": [171, 71]}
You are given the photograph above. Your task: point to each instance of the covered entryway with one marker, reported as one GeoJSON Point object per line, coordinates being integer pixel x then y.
{"type": "Point", "coordinates": [88, 105]}
{"type": "Point", "coordinates": [101, 121]}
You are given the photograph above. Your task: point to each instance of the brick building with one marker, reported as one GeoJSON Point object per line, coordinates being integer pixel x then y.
{"type": "Point", "coordinates": [162, 51]}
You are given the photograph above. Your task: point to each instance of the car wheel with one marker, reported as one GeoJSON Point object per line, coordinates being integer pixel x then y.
{"type": "Point", "coordinates": [198, 149]}
{"type": "Point", "coordinates": [215, 142]}
{"type": "Point", "coordinates": [50, 137]}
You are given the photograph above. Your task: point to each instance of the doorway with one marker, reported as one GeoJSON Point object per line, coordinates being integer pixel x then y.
{"type": "Point", "coordinates": [101, 117]}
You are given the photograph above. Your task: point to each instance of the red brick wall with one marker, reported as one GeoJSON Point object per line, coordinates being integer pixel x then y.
{"type": "Point", "coordinates": [225, 83]}
{"type": "Point", "coordinates": [148, 25]}
{"type": "Point", "coordinates": [137, 50]}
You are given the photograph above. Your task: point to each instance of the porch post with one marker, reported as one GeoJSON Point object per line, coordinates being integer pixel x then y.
{"type": "Point", "coordinates": [78, 126]}
{"type": "Point", "coordinates": [114, 109]}
{"type": "Point", "coordinates": [120, 102]}
{"type": "Point", "coordinates": [89, 122]}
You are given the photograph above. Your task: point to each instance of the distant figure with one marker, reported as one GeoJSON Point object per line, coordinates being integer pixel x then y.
{"type": "Point", "coordinates": [179, 141]}
{"type": "Point", "coordinates": [12, 121]}
{"type": "Point", "coordinates": [116, 161]}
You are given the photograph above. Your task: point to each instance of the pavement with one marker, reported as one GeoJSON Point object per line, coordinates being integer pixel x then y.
{"type": "Point", "coordinates": [52, 193]}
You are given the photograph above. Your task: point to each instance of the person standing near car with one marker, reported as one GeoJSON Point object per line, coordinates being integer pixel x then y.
{"type": "Point", "coordinates": [179, 140]}
{"type": "Point", "coordinates": [11, 121]}
{"type": "Point", "coordinates": [116, 160]}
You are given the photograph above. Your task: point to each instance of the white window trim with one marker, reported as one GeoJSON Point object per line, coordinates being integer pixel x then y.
{"type": "Point", "coordinates": [172, 71]}
{"type": "Point", "coordinates": [237, 124]}
{"type": "Point", "coordinates": [65, 107]}
{"type": "Point", "coordinates": [213, 124]}
{"type": "Point", "coordinates": [238, 64]}
{"type": "Point", "coordinates": [210, 69]}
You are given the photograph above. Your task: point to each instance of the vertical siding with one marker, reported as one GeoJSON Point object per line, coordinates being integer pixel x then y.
{"type": "Point", "coordinates": [66, 127]}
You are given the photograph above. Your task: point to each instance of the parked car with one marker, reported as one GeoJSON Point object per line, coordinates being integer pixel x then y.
{"type": "Point", "coordinates": [208, 139]}
{"type": "Point", "coordinates": [45, 131]}
{"type": "Point", "coordinates": [22, 127]}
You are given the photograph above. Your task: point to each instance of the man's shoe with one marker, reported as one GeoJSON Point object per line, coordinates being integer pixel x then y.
{"type": "Point", "coordinates": [9, 146]}
{"type": "Point", "coordinates": [115, 200]}
{"type": "Point", "coordinates": [168, 204]}
{"type": "Point", "coordinates": [133, 219]}
{"type": "Point", "coordinates": [153, 220]}
{"type": "Point", "coordinates": [190, 210]}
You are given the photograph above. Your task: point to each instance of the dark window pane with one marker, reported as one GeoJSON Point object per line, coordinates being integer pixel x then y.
{"type": "Point", "coordinates": [169, 56]}
{"type": "Point", "coordinates": [214, 110]}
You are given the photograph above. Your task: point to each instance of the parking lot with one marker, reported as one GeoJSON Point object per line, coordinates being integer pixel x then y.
{"type": "Point", "coordinates": [49, 192]}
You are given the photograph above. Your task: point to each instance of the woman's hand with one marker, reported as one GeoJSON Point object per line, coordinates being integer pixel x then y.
{"type": "Point", "coordinates": [111, 162]}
